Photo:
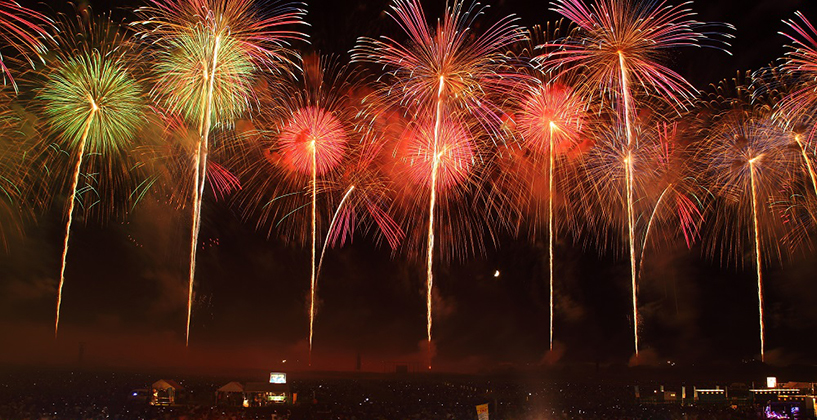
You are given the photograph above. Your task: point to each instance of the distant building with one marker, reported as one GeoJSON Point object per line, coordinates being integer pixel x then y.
{"type": "Point", "coordinates": [231, 394]}
{"type": "Point", "coordinates": [400, 367]}
{"type": "Point", "coordinates": [789, 400]}
{"type": "Point", "coordinates": [657, 396]}
{"type": "Point", "coordinates": [256, 394]}
{"type": "Point", "coordinates": [166, 392]}
{"type": "Point", "coordinates": [710, 395]}
{"type": "Point", "coordinates": [261, 394]}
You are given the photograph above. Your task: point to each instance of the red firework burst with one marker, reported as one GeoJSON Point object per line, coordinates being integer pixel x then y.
{"type": "Point", "coordinates": [312, 130]}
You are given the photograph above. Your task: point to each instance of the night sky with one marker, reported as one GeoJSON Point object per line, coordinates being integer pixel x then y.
{"type": "Point", "coordinates": [125, 291]}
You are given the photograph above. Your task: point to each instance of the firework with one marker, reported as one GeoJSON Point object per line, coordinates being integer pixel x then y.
{"type": "Point", "coordinates": [364, 203]}
{"type": "Point", "coordinates": [206, 55]}
{"type": "Point", "coordinates": [679, 194]}
{"type": "Point", "coordinates": [440, 71]}
{"type": "Point", "coordinates": [796, 79]}
{"type": "Point", "coordinates": [369, 194]}
{"type": "Point", "coordinates": [24, 30]}
{"type": "Point", "coordinates": [618, 47]}
{"type": "Point", "coordinates": [91, 103]}
{"type": "Point", "coordinates": [163, 157]}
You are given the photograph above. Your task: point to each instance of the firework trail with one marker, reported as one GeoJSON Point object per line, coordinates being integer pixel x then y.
{"type": "Point", "coordinates": [315, 133]}
{"type": "Point", "coordinates": [679, 200]}
{"type": "Point", "coordinates": [331, 229]}
{"type": "Point", "coordinates": [549, 121]}
{"type": "Point", "coordinates": [551, 165]}
{"type": "Point", "coordinates": [758, 259]}
{"type": "Point", "coordinates": [441, 69]}
{"type": "Point", "coordinates": [753, 140]}
{"type": "Point", "coordinates": [747, 169]}
{"type": "Point", "coordinates": [618, 46]}
{"type": "Point", "coordinates": [312, 265]}
{"type": "Point", "coordinates": [435, 166]}
{"type": "Point", "coordinates": [755, 157]}
{"type": "Point", "coordinates": [71, 199]}
{"type": "Point", "coordinates": [200, 165]}
{"type": "Point", "coordinates": [649, 227]}
{"type": "Point", "coordinates": [798, 139]}
{"type": "Point", "coordinates": [299, 158]}
{"type": "Point", "coordinates": [91, 102]}
{"type": "Point", "coordinates": [207, 54]}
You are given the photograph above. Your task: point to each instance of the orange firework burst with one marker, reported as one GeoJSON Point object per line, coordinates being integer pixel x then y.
{"type": "Point", "coordinates": [551, 118]}
{"type": "Point", "coordinates": [540, 112]}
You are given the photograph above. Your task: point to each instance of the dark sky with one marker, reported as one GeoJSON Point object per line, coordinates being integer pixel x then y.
{"type": "Point", "coordinates": [125, 281]}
